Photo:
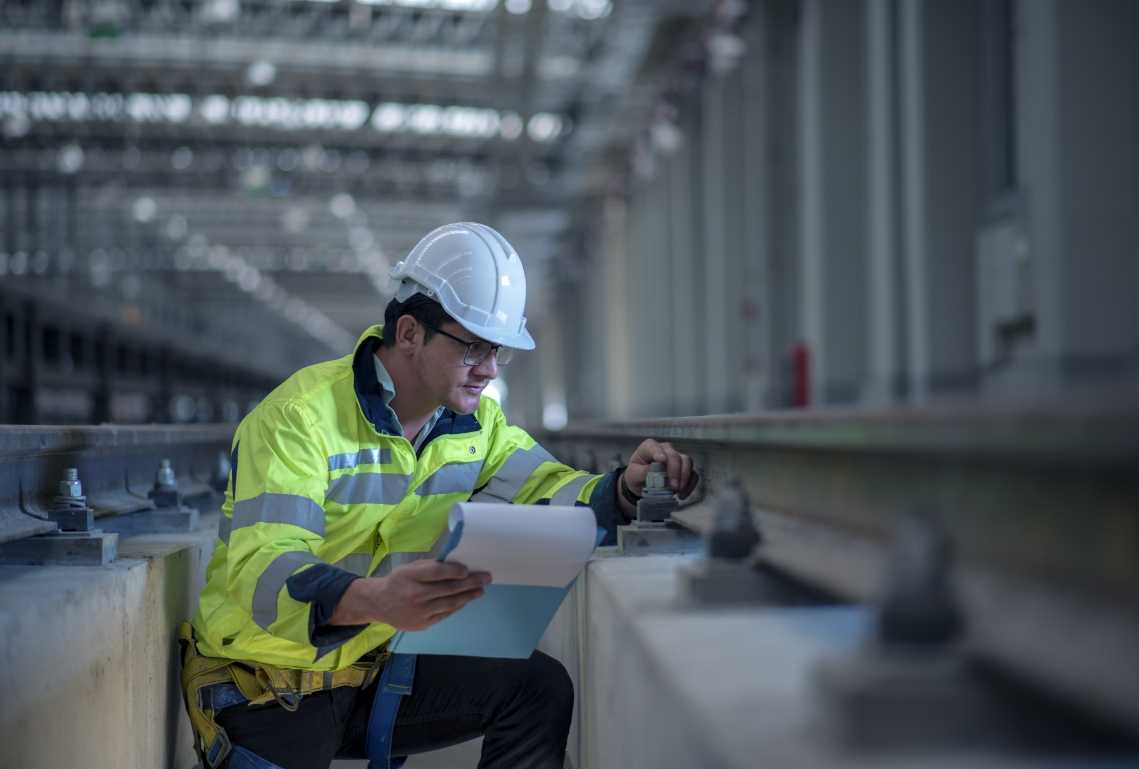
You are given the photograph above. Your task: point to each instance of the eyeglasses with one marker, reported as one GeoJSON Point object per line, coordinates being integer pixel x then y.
{"type": "Point", "coordinates": [478, 350]}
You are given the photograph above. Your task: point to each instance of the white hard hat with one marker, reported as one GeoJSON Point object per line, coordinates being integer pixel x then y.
{"type": "Point", "coordinates": [476, 275]}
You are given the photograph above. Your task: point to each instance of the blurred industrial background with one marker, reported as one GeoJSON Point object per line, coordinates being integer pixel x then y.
{"type": "Point", "coordinates": [722, 206]}
{"type": "Point", "coordinates": [897, 240]}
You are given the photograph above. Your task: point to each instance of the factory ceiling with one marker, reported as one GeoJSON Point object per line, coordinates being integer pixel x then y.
{"type": "Point", "coordinates": [285, 152]}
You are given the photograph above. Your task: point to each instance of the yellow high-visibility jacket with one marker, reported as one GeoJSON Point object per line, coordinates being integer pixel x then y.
{"type": "Point", "coordinates": [325, 489]}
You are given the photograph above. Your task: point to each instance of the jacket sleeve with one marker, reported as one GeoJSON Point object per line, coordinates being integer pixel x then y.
{"type": "Point", "coordinates": [518, 470]}
{"type": "Point", "coordinates": [277, 527]}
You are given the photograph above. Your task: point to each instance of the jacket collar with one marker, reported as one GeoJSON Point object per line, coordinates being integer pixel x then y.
{"type": "Point", "coordinates": [370, 395]}
{"type": "Point", "coordinates": [369, 392]}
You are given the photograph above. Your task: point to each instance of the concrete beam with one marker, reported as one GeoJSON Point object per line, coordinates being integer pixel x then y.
{"type": "Point", "coordinates": [91, 674]}
{"type": "Point", "coordinates": [661, 683]}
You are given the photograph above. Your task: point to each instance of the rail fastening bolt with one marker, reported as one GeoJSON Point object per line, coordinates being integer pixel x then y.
{"type": "Point", "coordinates": [70, 485]}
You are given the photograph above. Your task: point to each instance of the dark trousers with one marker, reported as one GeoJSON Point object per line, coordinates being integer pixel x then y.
{"type": "Point", "coordinates": [522, 708]}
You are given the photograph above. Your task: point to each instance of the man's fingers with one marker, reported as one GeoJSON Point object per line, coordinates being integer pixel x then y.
{"type": "Point", "coordinates": [648, 452]}
{"type": "Point", "coordinates": [693, 479]}
{"type": "Point", "coordinates": [451, 603]}
{"type": "Point", "coordinates": [682, 477]}
{"type": "Point", "coordinates": [651, 451]}
{"type": "Point", "coordinates": [674, 465]}
{"type": "Point", "coordinates": [443, 589]}
{"type": "Point", "coordinates": [427, 570]}
{"type": "Point", "coordinates": [685, 474]}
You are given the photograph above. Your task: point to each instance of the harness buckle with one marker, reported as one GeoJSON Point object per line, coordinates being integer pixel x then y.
{"type": "Point", "coordinates": [289, 700]}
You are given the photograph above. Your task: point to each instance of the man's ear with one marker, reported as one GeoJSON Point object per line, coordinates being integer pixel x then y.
{"type": "Point", "coordinates": [408, 333]}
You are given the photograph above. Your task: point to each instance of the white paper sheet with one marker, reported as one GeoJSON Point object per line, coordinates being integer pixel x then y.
{"type": "Point", "coordinates": [524, 544]}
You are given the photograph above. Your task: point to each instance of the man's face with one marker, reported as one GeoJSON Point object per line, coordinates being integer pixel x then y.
{"type": "Point", "coordinates": [448, 379]}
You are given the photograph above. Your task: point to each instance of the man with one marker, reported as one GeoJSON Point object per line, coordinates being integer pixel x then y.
{"type": "Point", "coordinates": [342, 481]}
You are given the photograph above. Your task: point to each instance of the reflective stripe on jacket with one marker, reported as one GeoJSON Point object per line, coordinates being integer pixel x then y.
{"type": "Point", "coordinates": [322, 480]}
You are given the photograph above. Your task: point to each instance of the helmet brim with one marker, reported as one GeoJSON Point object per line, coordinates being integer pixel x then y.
{"type": "Point", "coordinates": [520, 341]}
{"type": "Point", "coordinates": [408, 288]}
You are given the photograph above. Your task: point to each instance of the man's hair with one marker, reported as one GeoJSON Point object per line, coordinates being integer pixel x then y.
{"type": "Point", "coordinates": [427, 312]}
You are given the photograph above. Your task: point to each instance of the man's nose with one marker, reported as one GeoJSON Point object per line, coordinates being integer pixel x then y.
{"type": "Point", "coordinates": [489, 367]}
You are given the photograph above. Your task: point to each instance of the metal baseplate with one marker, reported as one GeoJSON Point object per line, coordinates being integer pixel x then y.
{"type": "Point", "coordinates": [720, 582]}
{"type": "Point", "coordinates": [639, 538]}
{"type": "Point", "coordinates": [893, 698]}
{"type": "Point", "coordinates": [66, 548]}
{"type": "Point", "coordinates": [159, 521]}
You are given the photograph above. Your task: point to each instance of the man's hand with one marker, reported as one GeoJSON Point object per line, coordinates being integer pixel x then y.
{"type": "Point", "coordinates": [681, 478]}
{"type": "Point", "coordinates": [412, 597]}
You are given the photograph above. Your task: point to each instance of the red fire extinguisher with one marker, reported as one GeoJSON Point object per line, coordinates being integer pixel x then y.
{"type": "Point", "coordinates": [800, 376]}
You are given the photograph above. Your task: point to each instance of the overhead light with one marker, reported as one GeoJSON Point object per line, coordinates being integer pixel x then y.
{"type": "Point", "coordinates": [176, 227]}
{"type": "Point", "coordinates": [70, 159]}
{"type": "Point", "coordinates": [594, 9]}
{"type": "Point", "coordinates": [18, 265]}
{"type": "Point", "coordinates": [158, 108]}
{"type": "Point", "coordinates": [468, 6]}
{"type": "Point", "coordinates": [256, 177]}
{"type": "Point", "coordinates": [433, 119]}
{"type": "Point", "coordinates": [214, 108]}
{"type": "Point", "coordinates": [248, 279]}
{"type": "Point", "coordinates": [725, 49]}
{"type": "Point", "coordinates": [144, 209]}
{"type": "Point", "coordinates": [220, 11]}
{"type": "Point", "coordinates": [289, 114]}
{"type": "Point", "coordinates": [312, 157]}
{"type": "Point", "coordinates": [17, 126]}
{"type": "Point", "coordinates": [583, 9]}
{"type": "Point", "coordinates": [342, 205]}
{"type": "Point", "coordinates": [20, 110]}
{"type": "Point", "coordinates": [510, 126]}
{"type": "Point", "coordinates": [388, 117]}
{"type": "Point", "coordinates": [517, 7]}
{"type": "Point", "coordinates": [544, 127]}
{"type": "Point", "coordinates": [261, 73]}
{"type": "Point", "coordinates": [65, 106]}
{"type": "Point", "coordinates": [558, 67]}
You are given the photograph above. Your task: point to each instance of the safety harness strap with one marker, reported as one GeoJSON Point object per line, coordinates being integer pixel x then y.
{"type": "Point", "coordinates": [211, 684]}
{"type": "Point", "coordinates": [200, 674]}
{"type": "Point", "coordinates": [395, 683]}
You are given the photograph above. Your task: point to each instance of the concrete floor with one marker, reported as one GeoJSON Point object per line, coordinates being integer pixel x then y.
{"type": "Point", "coordinates": [465, 756]}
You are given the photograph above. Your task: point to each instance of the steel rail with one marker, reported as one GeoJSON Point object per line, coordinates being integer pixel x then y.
{"type": "Point", "coordinates": [116, 465]}
{"type": "Point", "coordinates": [1039, 504]}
